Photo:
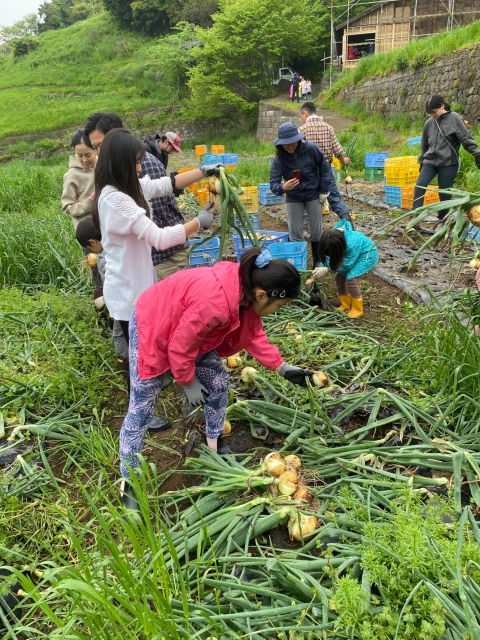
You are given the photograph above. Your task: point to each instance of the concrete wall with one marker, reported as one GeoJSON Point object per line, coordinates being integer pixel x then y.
{"type": "Point", "coordinates": [456, 78]}
{"type": "Point", "coordinates": [270, 117]}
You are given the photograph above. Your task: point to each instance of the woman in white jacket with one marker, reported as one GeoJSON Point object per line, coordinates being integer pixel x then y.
{"type": "Point", "coordinates": [121, 213]}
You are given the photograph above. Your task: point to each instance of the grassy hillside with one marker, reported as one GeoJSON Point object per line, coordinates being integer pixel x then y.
{"type": "Point", "coordinates": [90, 66]}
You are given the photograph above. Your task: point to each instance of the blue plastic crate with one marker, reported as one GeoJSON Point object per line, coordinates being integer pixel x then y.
{"type": "Point", "coordinates": [230, 158]}
{"type": "Point", "coordinates": [413, 141]}
{"type": "Point", "coordinates": [275, 237]}
{"type": "Point", "coordinates": [375, 160]}
{"type": "Point", "coordinates": [254, 217]}
{"type": "Point", "coordinates": [266, 197]}
{"type": "Point", "coordinates": [211, 158]}
{"type": "Point", "coordinates": [393, 195]}
{"type": "Point", "coordinates": [473, 233]}
{"type": "Point", "coordinates": [294, 252]}
{"type": "Point", "coordinates": [206, 254]}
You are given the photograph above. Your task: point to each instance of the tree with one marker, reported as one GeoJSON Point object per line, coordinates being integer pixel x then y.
{"type": "Point", "coordinates": [59, 14]}
{"type": "Point", "coordinates": [248, 40]}
{"type": "Point", "coordinates": [145, 16]}
{"type": "Point", "coordinates": [27, 26]}
{"type": "Point", "coordinates": [197, 12]}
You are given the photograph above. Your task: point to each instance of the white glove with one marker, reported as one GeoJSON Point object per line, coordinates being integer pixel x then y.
{"type": "Point", "coordinates": [323, 197]}
{"type": "Point", "coordinates": [99, 303]}
{"type": "Point", "coordinates": [319, 273]}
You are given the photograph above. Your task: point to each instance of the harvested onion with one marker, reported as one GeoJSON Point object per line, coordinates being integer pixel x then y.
{"type": "Point", "coordinates": [248, 374]}
{"type": "Point", "coordinates": [348, 179]}
{"type": "Point", "coordinates": [92, 260]}
{"type": "Point", "coordinates": [274, 464]}
{"type": "Point", "coordinates": [235, 361]}
{"type": "Point", "coordinates": [214, 186]}
{"type": "Point", "coordinates": [293, 462]}
{"type": "Point", "coordinates": [474, 216]}
{"type": "Point", "coordinates": [302, 493]}
{"type": "Point", "coordinates": [475, 263]}
{"type": "Point", "coordinates": [288, 483]}
{"type": "Point", "coordinates": [227, 427]}
{"type": "Point", "coordinates": [305, 528]}
{"type": "Point", "coordinates": [320, 379]}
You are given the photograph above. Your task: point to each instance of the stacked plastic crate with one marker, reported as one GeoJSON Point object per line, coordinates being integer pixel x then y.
{"type": "Point", "coordinates": [374, 166]}
{"type": "Point", "coordinates": [399, 173]}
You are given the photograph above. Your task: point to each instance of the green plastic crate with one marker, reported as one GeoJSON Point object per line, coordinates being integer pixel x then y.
{"type": "Point", "coordinates": [372, 174]}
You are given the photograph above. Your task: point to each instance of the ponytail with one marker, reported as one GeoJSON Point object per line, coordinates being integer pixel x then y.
{"type": "Point", "coordinates": [278, 278]}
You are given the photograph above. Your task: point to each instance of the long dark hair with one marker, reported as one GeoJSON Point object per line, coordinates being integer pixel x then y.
{"type": "Point", "coordinates": [116, 167]}
{"type": "Point", "coordinates": [79, 137]}
{"type": "Point", "coordinates": [332, 245]}
{"type": "Point", "coordinates": [279, 278]}
{"type": "Point", "coordinates": [435, 102]}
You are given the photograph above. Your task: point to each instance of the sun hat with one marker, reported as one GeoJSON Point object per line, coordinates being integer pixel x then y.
{"type": "Point", "coordinates": [174, 140]}
{"type": "Point", "coordinates": [287, 134]}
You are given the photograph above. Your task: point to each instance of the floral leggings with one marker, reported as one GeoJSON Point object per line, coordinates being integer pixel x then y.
{"type": "Point", "coordinates": [144, 396]}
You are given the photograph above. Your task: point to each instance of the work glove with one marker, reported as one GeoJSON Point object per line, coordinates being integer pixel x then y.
{"type": "Point", "coordinates": [196, 393]}
{"type": "Point", "coordinates": [319, 273]}
{"type": "Point", "coordinates": [211, 169]}
{"type": "Point", "coordinates": [205, 219]}
{"type": "Point", "coordinates": [347, 217]}
{"type": "Point", "coordinates": [99, 303]}
{"type": "Point", "coordinates": [477, 161]}
{"type": "Point", "coordinates": [323, 197]}
{"type": "Point", "coordinates": [296, 375]}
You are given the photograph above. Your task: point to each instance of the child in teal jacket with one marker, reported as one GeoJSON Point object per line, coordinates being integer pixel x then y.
{"type": "Point", "coordinates": [348, 254]}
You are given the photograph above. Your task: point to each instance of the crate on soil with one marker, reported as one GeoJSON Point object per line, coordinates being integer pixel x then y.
{"type": "Point", "coordinates": [402, 171]}
{"type": "Point", "coordinates": [375, 160]}
{"type": "Point", "coordinates": [371, 174]}
{"type": "Point", "coordinates": [202, 196]}
{"type": "Point", "coordinates": [211, 158]}
{"type": "Point", "coordinates": [294, 252]}
{"type": "Point", "coordinates": [337, 175]}
{"type": "Point", "coordinates": [431, 196]}
{"type": "Point", "coordinates": [266, 197]}
{"type": "Point", "coordinates": [413, 141]}
{"type": "Point", "coordinates": [218, 148]}
{"type": "Point", "coordinates": [249, 199]}
{"type": "Point", "coordinates": [230, 158]}
{"type": "Point", "coordinates": [193, 188]}
{"type": "Point", "coordinates": [267, 239]}
{"type": "Point", "coordinates": [200, 150]}
{"type": "Point", "coordinates": [393, 196]}
{"type": "Point", "coordinates": [206, 254]}
{"type": "Point", "coordinates": [255, 219]}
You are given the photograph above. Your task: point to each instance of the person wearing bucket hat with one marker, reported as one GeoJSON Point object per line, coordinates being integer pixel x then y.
{"type": "Point", "coordinates": [307, 180]}
{"type": "Point", "coordinates": [161, 146]}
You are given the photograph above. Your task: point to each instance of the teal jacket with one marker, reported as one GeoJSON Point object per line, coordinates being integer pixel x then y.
{"type": "Point", "coordinates": [361, 254]}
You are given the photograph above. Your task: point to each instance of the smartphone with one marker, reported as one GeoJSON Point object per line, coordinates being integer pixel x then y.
{"type": "Point", "coordinates": [297, 175]}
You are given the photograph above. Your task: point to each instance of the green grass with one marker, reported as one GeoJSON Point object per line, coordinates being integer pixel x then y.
{"type": "Point", "coordinates": [415, 54]}
{"type": "Point", "coordinates": [90, 66]}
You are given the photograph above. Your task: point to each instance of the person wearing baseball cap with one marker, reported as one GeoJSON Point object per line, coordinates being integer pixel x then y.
{"type": "Point", "coordinates": [161, 146]}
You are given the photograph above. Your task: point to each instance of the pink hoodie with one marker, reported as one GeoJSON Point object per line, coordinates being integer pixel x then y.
{"type": "Point", "coordinates": [192, 312]}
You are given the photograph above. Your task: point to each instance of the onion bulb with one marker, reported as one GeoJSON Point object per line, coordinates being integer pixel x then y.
{"type": "Point", "coordinates": [293, 462]}
{"type": "Point", "coordinates": [320, 379]}
{"type": "Point", "coordinates": [474, 216]}
{"type": "Point", "coordinates": [274, 464]}
{"type": "Point", "coordinates": [348, 179]}
{"type": "Point", "coordinates": [92, 260]}
{"type": "Point", "coordinates": [235, 361]}
{"type": "Point", "coordinates": [248, 374]}
{"type": "Point", "coordinates": [302, 493]}
{"type": "Point", "coordinates": [227, 427]}
{"type": "Point", "coordinates": [214, 186]}
{"type": "Point", "coordinates": [475, 263]}
{"type": "Point", "coordinates": [288, 483]}
{"type": "Point", "coordinates": [309, 281]}
{"type": "Point", "coordinates": [305, 528]}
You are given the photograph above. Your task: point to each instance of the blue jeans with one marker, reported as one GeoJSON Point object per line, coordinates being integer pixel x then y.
{"type": "Point", "coordinates": [446, 176]}
{"type": "Point", "coordinates": [144, 396]}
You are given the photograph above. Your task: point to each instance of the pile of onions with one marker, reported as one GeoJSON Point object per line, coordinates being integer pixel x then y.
{"type": "Point", "coordinates": [474, 216]}
{"type": "Point", "coordinates": [286, 471]}
{"type": "Point", "coordinates": [235, 361]}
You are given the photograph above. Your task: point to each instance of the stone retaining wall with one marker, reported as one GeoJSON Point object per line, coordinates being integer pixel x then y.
{"type": "Point", "coordinates": [455, 77]}
{"type": "Point", "coordinates": [270, 117]}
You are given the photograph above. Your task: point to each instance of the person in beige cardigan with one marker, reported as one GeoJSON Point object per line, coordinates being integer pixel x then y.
{"type": "Point", "coordinates": [78, 189]}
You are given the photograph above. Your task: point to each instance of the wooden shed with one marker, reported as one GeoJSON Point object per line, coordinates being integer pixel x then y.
{"type": "Point", "coordinates": [389, 25]}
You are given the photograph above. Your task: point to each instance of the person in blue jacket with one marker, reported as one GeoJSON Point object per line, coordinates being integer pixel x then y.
{"type": "Point", "coordinates": [308, 181]}
{"type": "Point", "coordinates": [348, 254]}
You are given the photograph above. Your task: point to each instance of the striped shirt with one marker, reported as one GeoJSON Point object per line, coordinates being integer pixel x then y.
{"type": "Point", "coordinates": [164, 211]}
{"type": "Point", "coordinates": [322, 134]}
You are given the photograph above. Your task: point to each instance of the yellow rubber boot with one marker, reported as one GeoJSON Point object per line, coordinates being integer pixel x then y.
{"type": "Point", "coordinates": [345, 302]}
{"type": "Point", "coordinates": [357, 308]}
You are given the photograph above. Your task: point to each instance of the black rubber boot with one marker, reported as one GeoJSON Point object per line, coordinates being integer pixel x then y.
{"type": "Point", "coordinates": [222, 447]}
{"type": "Point", "coordinates": [167, 379]}
{"type": "Point", "coordinates": [129, 499]}
{"type": "Point", "coordinates": [315, 254]}
{"type": "Point", "coordinates": [158, 424]}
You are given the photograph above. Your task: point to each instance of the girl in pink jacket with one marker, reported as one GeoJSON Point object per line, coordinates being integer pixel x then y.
{"type": "Point", "coordinates": [187, 323]}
